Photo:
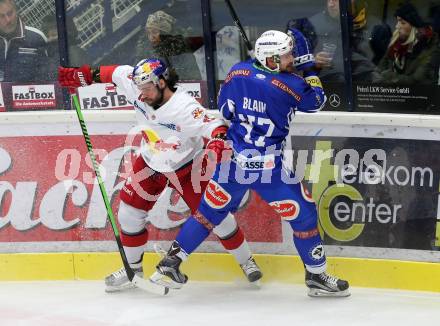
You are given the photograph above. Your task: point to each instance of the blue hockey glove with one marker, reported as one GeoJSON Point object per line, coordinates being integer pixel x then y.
{"type": "Point", "coordinates": [303, 58]}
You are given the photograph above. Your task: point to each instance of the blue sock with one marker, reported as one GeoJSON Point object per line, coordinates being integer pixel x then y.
{"type": "Point", "coordinates": [191, 235]}
{"type": "Point", "coordinates": [310, 250]}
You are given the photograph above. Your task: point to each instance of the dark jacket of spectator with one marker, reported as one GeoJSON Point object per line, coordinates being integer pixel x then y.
{"type": "Point", "coordinates": [22, 54]}
{"type": "Point", "coordinates": [410, 60]}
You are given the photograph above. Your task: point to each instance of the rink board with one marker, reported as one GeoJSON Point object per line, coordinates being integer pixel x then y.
{"type": "Point", "coordinates": [214, 267]}
{"type": "Point", "coordinates": [56, 229]}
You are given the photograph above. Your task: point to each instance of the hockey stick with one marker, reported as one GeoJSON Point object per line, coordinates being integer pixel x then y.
{"type": "Point", "coordinates": [141, 283]}
{"type": "Point", "coordinates": [240, 28]}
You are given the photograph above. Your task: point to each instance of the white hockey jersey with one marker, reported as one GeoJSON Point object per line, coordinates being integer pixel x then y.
{"type": "Point", "coordinates": [173, 134]}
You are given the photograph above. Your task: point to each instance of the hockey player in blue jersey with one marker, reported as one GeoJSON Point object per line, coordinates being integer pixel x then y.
{"type": "Point", "coordinates": [259, 97]}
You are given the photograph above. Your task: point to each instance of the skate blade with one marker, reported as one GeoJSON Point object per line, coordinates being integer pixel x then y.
{"type": "Point", "coordinates": [150, 286]}
{"type": "Point", "coordinates": [119, 288]}
{"type": "Point", "coordinates": [255, 285]}
{"type": "Point", "coordinates": [319, 293]}
{"type": "Point", "coordinates": [164, 281]}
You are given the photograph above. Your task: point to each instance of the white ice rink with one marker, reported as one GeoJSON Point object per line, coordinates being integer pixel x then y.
{"type": "Point", "coordinates": [209, 304]}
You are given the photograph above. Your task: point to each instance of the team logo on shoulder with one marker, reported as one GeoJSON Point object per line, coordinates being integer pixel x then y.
{"type": "Point", "coordinates": [198, 113]}
{"type": "Point", "coordinates": [287, 209]}
{"type": "Point", "coordinates": [317, 252]}
{"type": "Point", "coordinates": [215, 196]}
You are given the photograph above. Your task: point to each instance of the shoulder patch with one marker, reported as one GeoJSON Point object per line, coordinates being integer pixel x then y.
{"type": "Point", "coordinates": [285, 88]}
{"type": "Point", "coordinates": [238, 72]}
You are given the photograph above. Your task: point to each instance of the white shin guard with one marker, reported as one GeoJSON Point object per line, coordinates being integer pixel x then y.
{"type": "Point", "coordinates": [132, 221]}
{"type": "Point", "coordinates": [225, 230]}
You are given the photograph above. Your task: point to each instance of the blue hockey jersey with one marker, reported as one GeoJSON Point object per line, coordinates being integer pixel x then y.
{"type": "Point", "coordinates": [261, 104]}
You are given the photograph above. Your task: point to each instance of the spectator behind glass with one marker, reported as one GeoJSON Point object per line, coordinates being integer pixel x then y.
{"type": "Point", "coordinates": [77, 56]}
{"type": "Point", "coordinates": [159, 41]}
{"type": "Point", "coordinates": [324, 32]}
{"type": "Point", "coordinates": [409, 56]}
{"type": "Point", "coordinates": [23, 50]}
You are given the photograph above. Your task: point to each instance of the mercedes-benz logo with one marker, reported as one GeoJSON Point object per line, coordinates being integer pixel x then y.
{"type": "Point", "coordinates": [334, 100]}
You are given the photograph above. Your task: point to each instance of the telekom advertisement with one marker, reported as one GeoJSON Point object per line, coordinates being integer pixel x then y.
{"type": "Point", "coordinates": [377, 195]}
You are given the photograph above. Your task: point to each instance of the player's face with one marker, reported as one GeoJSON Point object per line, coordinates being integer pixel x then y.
{"type": "Point", "coordinates": [8, 17]}
{"type": "Point", "coordinates": [333, 8]}
{"type": "Point", "coordinates": [286, 62]}
{"type": "Point", "coordinates": [151, 94]}
{"type": "Point", "coordinates": [404, 28]}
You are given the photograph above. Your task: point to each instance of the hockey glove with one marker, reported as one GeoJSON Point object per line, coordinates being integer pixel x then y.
{"type": "Point", "coordinates": [303, 58]}
{"type": "Point", "coordinates": [73, 78]}
{"type": "Point", "coordinates": [218, 148]}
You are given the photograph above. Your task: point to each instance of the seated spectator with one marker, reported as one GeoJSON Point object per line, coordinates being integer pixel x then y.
{"type": "Point", "coordinates": [409, 56]}
{"type": "Point", "coordinates": [324, 32]}
{"type": "Point", "coordinates": [23, 49]}
{"type": "Point", "coordinates": [159, 41]}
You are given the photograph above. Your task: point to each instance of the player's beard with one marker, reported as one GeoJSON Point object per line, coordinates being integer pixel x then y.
{"type": "Point", "coordinates": [157, 102]}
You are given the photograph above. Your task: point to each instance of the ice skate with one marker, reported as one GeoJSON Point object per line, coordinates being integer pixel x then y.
{"type": "Point", "coordinates": [118, 281]}
{"type": "Point", "coordinates": [325, 285]}
{"type": "Point", "coordinates": [167, 271]}
{"type": "Point", "coordinates": [252, 271]}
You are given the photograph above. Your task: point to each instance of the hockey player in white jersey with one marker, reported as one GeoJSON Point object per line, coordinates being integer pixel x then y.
{"type": "Point", "coordinates": [174, 128]}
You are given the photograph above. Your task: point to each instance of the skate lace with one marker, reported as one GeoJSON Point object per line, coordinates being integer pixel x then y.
{"type": "Point", "coordinates": [328, 278]}
{"type": "Point", "coordinates": [249, 266]}
{"type": "Point", "coordinates": [120, 273]}
{"type": "Point", "coordinates": [159, 250]}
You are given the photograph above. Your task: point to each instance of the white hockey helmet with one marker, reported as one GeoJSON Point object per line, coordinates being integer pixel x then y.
{"type": "Point", "coordinates": [149, 70]}
{"type": "Point", "coordinates": [272, 44]}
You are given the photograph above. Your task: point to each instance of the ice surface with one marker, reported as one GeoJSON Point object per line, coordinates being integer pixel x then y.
{"type": "Point", "coordinates": [209, 304]}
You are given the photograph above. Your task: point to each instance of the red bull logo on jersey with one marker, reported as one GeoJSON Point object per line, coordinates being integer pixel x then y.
{"type": "Point", "coordinates": [156, 144]}
{"type": "Point", "coordinates": [215, 196]}
{"type": "Point", "coordinates": [287, 209]}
